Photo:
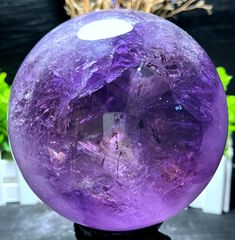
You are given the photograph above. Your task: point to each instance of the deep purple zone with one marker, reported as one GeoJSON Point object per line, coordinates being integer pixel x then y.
{"type": "Point", "coordinates": [120, 133]}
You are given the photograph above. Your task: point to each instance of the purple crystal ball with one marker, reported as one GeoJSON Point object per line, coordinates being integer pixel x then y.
{"type": "Point", "coordinates": [117, 119]}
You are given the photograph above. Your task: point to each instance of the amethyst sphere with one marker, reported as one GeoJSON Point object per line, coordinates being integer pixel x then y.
{"type": "Point", "coordinates": [117, 119]}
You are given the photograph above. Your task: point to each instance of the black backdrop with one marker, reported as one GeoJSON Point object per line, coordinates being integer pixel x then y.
{"type": "Point", "coordinates": [24, 22]}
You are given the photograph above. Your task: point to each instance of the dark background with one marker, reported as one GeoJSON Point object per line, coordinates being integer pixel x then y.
{"type": "Point", "coordinates": [24, 22]}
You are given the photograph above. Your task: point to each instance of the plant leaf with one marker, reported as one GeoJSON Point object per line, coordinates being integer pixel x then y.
{"type": "Point", "coordinates": [5, 90]}
{"type": "Point", "coordinates": [231, 112]}
{"type": "Point", "coordinates": [225, 78]}
{"type": "Point", "coordinates": [6, 147]}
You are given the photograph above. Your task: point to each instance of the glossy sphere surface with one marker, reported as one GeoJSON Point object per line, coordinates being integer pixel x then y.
{"type": "Point", "coordinates": [117, 126]}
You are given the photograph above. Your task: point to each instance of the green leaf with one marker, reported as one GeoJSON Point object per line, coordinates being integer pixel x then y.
{"type": "Point", "coordinates": [225, 78]}
{"type": "Point", "coordinates": [2, 138]}
{"type": "Point", "coordinates": [5, 90]}
{"type": "Point", "coordinates": [231, 112]}
{"type": "Point", "coordinates": [6, 147]}
{"type": "Point", "coordinates": [3, 76]}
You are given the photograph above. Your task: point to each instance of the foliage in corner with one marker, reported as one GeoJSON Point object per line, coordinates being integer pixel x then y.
{"type": "Point", "coordinates": [226, 79]}
{"type": "Point", "coordinates": [5, 90]}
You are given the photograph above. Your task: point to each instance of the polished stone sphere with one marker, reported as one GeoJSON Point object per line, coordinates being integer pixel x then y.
{"type": "Point", "coordinates": [117, 119]}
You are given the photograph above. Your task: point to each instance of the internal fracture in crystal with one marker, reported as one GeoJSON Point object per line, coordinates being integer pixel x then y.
{"type": "Point", "coordinates": [120, 129]}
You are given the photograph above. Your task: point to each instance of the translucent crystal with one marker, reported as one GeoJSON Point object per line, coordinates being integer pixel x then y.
{"type": "Point", "coordinates": [118, 130]}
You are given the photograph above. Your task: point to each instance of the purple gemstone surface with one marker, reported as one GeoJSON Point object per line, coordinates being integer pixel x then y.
{"type": "Point", "coordinates": [120, 127]}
